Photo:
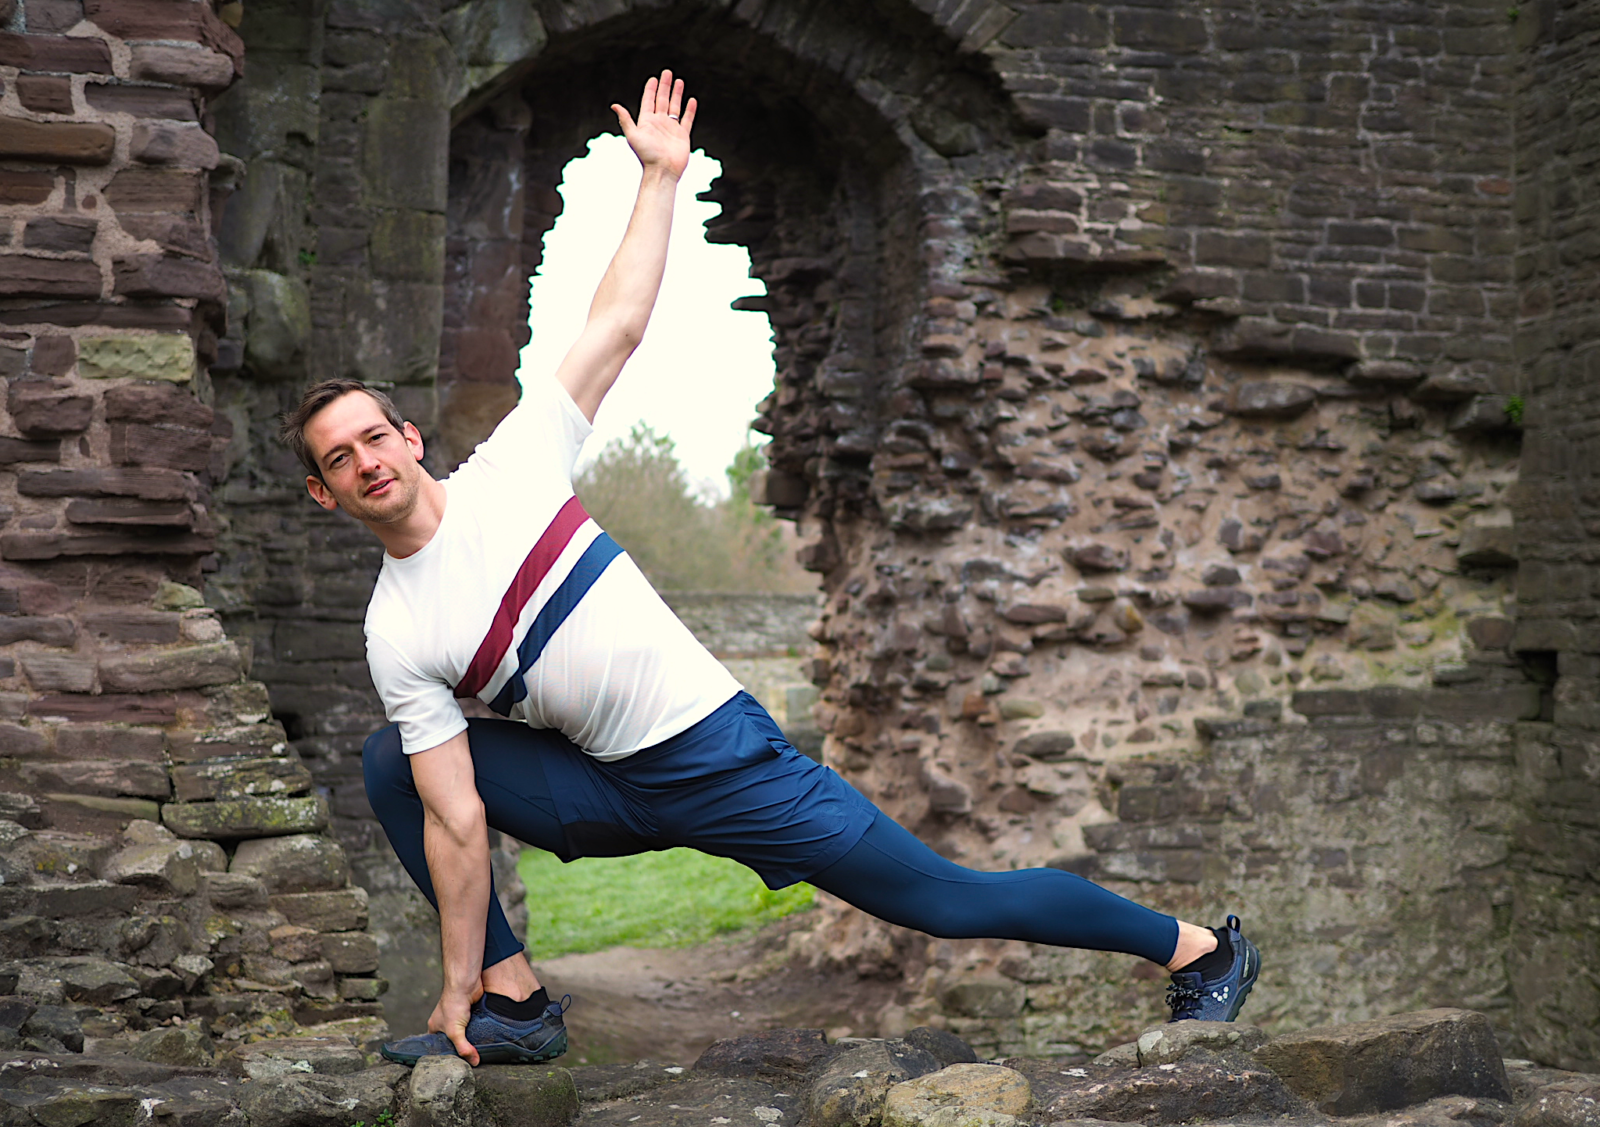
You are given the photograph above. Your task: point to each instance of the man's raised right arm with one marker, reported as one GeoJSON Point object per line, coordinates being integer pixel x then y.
{"type": "Point", "coordinates": [627, 293]}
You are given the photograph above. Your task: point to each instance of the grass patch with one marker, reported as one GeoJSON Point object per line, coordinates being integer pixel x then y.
{"type": "Point", "coordinates": [674, 898]}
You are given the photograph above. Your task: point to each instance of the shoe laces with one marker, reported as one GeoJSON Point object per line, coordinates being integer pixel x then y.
{"type": "Point", "coordinates": [564, 1005]}
{"type": "Point", "coordinates": [1184, 1000]}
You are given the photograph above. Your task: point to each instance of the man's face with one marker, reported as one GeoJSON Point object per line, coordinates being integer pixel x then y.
{"type": "Point", "coordinates": [369, 469]}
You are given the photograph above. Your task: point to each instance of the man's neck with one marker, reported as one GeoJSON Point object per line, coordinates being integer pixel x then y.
{"type": "Point", "coordinates": [410, 535]}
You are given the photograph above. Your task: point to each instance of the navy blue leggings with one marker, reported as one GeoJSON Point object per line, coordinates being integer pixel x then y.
{"type": "Point", "coordinates": [887, 873]}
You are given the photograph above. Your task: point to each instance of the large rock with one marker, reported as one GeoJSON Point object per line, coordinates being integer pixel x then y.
{"type": "Point", "coordinates": [780, 1054]}
{"type": "Point", "coordinates": [1390, 1062]}
{"type": "Point", "coordinates": [1570, 1102]}
{"type": "Point", "coordinates": [167, 866]}
{"type": "Point", "coordinates": [320, 1101]}
{"type": "Point", "coordinates": [239, 777]}
{"type": "Point", "coordinates": [963, 1095]}
{"type": "Point", "coordinates": [691, 1102]}
{"type": "Point", "coordinates": [1270, 399]}
{"type": "Point", "coordinates": [442, 1093]}
{"type": "Point", "coordinates": [176, 1044]}
{"type": "Point", "coordinates": [851, 1089]}
{"type": "Point", "coordinates": [527, 1096]}
{"type": "Point", "coordinates": [1169, 1093]}
{"type": "Point", "coordinates": [297, 863]}
{"type": "Point", "coordinates": [344, 910]}
{"type": "Point", "coordinates": [1183, 1040]}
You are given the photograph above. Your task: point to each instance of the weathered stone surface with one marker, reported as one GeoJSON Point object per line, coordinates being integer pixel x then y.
{"type": "Point", "coordinates": [290, 1056]}
{"type": "Point", "coordinates": [319, 1101]}
{"type": "Point", "coordinates": [1048, 747]}
{"type": "Point", "coordinates": [962, 1095]}
{"type": "Point", "coordinates": [1167, 1044]}
{"type": "Point", "coordinates": [442, 1093]}
{"type": "Point", "coordinates": [778, 1054]}
{"type": "Point", "coordinates": [187, 1045]}
{"type": "Point", "coordinates": [181, 66]}
{"type": "Point", "coordinates": [246, 817]}
{"type": "Point", "coordinates": [297, 863]}
{"type": "Point", "coordinates": [526, 1096]}
{"type": "Point", "coordinates": [161, 356]}
{"type": "Point", "coordinates": [1390, 1062]}
{"type": "Point", "coordinates": [345, 910]}
{"type": "Point", "coordinates": [95, 981]}
{"type": "Point", "coordinates": [165, 142]}
{"type": "Point", "coordinates": [185, 667]}
{"type": "Point", "coordinates": [237, 777]}
{"type": "Point", "coordinates": [1570, 1101]}
{"type": "Point", "coordinates": [166, 866]}
{"type": "Point", "coordinates": [352, 952]}
{"type": "Point", "coordinates": [41, 410]}
{"type": "Point", "coordinates": [1172, 1094]}
{"type": "Point", "coordinates": [88, 142]}
{"type": "Point", "coordinates": [1264, 399]}
{"type": "Point", "coordinates": [29, 276]}
{"type": "Point", "coordinates": [851, 1087]}
{"type": "Point", "coordinates": [944, 1046]}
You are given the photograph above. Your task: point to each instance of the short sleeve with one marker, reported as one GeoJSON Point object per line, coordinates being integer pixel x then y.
{"type": "Point", "coordinates": [542, 435]}
{"type": "Point", "coordinates": [424, 707]}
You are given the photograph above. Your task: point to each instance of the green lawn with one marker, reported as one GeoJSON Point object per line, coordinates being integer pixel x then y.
{"type": "Point", "coordinates": [669, 899]}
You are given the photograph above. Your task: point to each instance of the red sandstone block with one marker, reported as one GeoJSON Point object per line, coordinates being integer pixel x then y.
{"type": "Point", "coordinates": [74, 55]}
{"type": "Point", "coordinates": [149, 484]}
{"type": "Point", "coordinates": [25, 187]}
{"type": "Point", "coordinates": [146, 403]}
{"type": "Point", "coordinates": [41, 410]}
{"type": "Point", "coordinates": [108, 708]}
{"type": "Point", "coordinates": [53, 356]}
{"type": "Point", "coordinates": [51, 631]}
{"type": "Point", "coordinates": [55, 545]}
{"type": "Point", "coordinates": [181, 66]}
{"type": "Point", "coordinates": [64, 234]}
{"type": "Point", "coordinates": [150, 627]}
{"type": "Point", "coordinates": [25, 276]}
{"type": "Point", "coordinates": [71, 142]}
{"type": "Point", "coordinates": [45, 93]}
{"type": "Point", "coordinates": [164, 276]}
{"type": "Point", "coordinates": [142, 101]}
{"type": "Point", "coordinates": [178, 448]}
{"type": "Point", "coordinates": [165, 19]}
{"type": "Point", "coordinates": [20, 450]}
{"type": "Point", "coordinates": [131, 512]}
{"type": "Point", "coordinates": [170, 191]}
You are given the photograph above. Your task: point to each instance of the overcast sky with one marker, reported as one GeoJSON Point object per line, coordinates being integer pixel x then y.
{"type": "Point", "coordinates": [702, 367]}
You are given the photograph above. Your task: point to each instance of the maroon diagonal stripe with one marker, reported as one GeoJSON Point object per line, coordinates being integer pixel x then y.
{"type": "Point", "coordinates": [540, 560]}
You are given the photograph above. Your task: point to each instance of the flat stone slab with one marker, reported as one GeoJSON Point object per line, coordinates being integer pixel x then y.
{"type": "Point", "coordinates": [714, 1101]}
{"type": "Point", "coordinates": [1167, 1093]}
{"type": "Point", "coordinates": [1391, 1062]}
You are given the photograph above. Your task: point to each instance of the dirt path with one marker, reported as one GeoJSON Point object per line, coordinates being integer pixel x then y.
{"type": "Point", "coordinates": [632, 1003]}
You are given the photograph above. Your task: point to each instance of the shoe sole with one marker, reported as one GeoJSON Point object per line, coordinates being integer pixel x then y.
{"type": "Point", "coordinates": [496, 1052]}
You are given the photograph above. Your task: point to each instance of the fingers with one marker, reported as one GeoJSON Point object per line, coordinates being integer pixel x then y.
{"type": "Point", "coordinates": [664, 93]}
{"type": "Point", "coordinates": [688, 113]}
{"type": "Point", "coordinates": [464, 1048]}
{"type": "Point", "coordinates": [624, 119]}
{"type": "Point", "coordinates": [647, 101]}
{"type": "Point", "coordinates": [675, 103]}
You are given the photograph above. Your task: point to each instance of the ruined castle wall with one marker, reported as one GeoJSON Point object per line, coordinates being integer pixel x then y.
{"type": "Point", "coordinates": [162, 850]}
{"type": "Point", "coordinates": [1138, 371]}
{"type": "Point", "coordinates": [1558, 350]}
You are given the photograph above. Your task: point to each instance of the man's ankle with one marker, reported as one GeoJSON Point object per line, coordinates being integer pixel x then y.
{"type": "Point", "coordinates": [511, 978]}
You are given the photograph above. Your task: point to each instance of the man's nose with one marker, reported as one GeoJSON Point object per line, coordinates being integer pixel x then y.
{"type": "Point", "coordinates": [366, 461]}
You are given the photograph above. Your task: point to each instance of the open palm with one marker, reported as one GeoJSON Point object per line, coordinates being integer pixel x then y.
{"type": "Point", "coordinates": [659, 136]}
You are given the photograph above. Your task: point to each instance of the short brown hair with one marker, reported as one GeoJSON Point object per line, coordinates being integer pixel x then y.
{"type": "Point", "coordinates": [293, 431]}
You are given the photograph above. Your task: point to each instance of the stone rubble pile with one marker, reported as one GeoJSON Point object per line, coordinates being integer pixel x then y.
{"type": "Point", "coordinates": [167, 946]}
{"type": "Point", "coordinates": [1434, 1068]}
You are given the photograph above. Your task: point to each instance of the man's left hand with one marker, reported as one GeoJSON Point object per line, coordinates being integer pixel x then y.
{"type": "Point", "coordinates": [450, 1017]}
{"type": "Point", "coordinates": [660, 135]}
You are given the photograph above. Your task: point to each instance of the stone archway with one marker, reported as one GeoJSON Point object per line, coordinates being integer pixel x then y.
{"type": "Point", "coordinates": [1142, 399]}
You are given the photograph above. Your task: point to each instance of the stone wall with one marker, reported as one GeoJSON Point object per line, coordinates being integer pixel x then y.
{"type": "Point", "coordinates": [1558, 350]}
{"type": "Point", "coordinates": [162, 854]}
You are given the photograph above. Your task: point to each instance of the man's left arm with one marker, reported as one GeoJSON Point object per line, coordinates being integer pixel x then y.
{"type": "Point", "coordinates": [627, 293]}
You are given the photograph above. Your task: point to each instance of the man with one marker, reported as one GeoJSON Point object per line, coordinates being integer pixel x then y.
{"type": "Point", "coordinates": [623, 733]}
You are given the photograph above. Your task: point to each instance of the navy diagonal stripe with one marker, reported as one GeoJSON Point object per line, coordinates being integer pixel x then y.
{"type": "Point", "coordinates": [594, 560]}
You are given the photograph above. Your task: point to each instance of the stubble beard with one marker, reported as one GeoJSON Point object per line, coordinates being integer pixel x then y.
{"type": "Point", "coordinates": [398, 504]}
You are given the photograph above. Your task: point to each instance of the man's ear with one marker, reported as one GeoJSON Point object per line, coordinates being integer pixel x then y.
{"type": "Point", "coordinates": [319, 492]}
{"type": "Point", "coordinates": [413, 438]}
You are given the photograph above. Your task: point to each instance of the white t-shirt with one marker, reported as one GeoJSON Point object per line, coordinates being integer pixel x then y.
{"type": "Point", "coordinates": [522, 601]}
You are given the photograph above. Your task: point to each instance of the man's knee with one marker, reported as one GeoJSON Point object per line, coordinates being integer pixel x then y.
{"type": "Point", "coordinates": [384, 762]}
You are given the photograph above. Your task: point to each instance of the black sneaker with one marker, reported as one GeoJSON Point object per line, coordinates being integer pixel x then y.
{"type": "Point", "coordinates": [1221, 998]}
{"type": "Point", "coordinates": [499, 1040]}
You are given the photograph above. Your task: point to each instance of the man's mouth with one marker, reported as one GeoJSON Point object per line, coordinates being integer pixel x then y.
{"type": "Point", "coordinates": [379, 486]}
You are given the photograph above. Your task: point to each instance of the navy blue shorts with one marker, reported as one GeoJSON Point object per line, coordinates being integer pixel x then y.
{"type": "Point", "coordinates": [731, 785]}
